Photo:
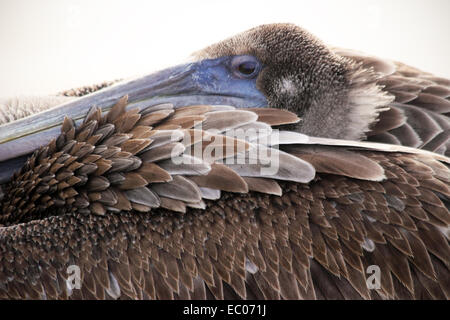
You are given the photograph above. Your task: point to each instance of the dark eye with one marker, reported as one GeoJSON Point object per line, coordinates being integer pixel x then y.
{"type": "Point", "coordinates": [245, 66]}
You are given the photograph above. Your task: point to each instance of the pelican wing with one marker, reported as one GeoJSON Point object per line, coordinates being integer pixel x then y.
{"type": "Point", "coordinates": [125, 199]}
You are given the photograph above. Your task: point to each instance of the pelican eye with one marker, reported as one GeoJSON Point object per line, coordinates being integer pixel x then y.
{"type": "Point", "coordinates": [245, 67]}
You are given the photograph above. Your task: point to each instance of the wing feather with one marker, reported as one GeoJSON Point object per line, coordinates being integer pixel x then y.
{"type": "Point", "coordinates": [144, 226]}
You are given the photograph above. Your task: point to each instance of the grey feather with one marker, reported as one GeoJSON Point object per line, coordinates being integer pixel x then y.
{"type": "Point", "coordinates": [277, 165]}
{"type": "Point", "coordinates": [163, 152]}
{"type": "Point", "coordinates": [220, 121]}
{"type": "Point", "coordinates": [179, 188]}
{"type": "Point", "coordinates": [210, 194]}
{"type": "Point", "coordinates": [185, 165]}
{"type": "Point", "coordinates": [143, 196]}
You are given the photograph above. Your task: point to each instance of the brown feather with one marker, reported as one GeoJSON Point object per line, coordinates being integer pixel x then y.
{"type": "Point", "coordinates": [274, 117]}
{"type": "Point", "coordinates": [221, 178]}
{"type": "Point", "coordinates": [341, 162]}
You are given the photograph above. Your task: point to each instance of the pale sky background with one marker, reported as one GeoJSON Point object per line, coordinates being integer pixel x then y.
{"type": "Point", "coordinates": [51, 45]}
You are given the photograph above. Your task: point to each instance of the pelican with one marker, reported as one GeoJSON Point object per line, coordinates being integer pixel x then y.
{"type": "Point", "coordinates": [148, 189]}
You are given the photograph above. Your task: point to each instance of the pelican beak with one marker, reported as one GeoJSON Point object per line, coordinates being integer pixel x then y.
{"type": "Point", "coordinates": [203, 82]}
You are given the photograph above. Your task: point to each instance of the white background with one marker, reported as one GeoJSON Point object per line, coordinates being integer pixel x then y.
{"type": "Point", "coordinates": [51, 45]}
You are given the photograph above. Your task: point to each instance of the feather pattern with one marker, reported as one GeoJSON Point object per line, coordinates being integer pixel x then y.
{"type": "Point", "coordinates": [310, 231]}
{"type": "Point", "coordinates": [420, 108]}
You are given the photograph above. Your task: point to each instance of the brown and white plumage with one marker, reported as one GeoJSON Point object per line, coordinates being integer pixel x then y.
{"type": "Point", "coordinates": [419, 115]}
{"type": "Point", "coordinates": [104, 196]}
{"type": "Point", "coordinates": [137, 231]}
